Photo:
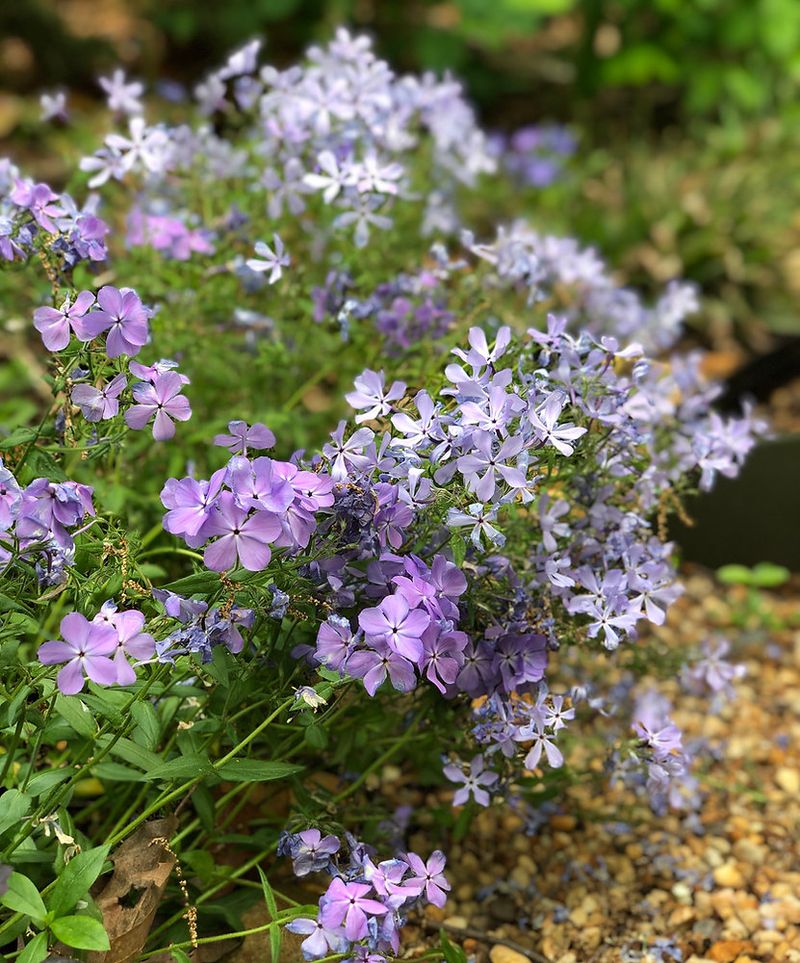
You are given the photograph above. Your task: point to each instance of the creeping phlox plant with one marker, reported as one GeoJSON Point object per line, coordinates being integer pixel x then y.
{"type": "Point", "coordinates": [231, 634]}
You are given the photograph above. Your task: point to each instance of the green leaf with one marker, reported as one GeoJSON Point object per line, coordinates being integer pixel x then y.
{"type": "Point", "coordinates": [128, 751]}
{"type": "Point", "coordinates": [76, 879]}
{"type": "Point", "coordinates": [767, 575]}
{"type": "Point", "coordinates": [22, 896]}
{"type": "Point", "coordinates": [148, 726]}
{"type": "Point", "coordinates": [451, 952]}
{"type": "Point", "coordinates": [81, 932]}
{"type": "Point", "coordinates": [253, 770]}
{"type": "Point", "coordinates": [75, 713]}
{"type": "Point", "coordinates": [734, 575]}
{"type": "Point", "coordinates": [44, 781]}
{"type": "Point", "coordinates": [458, 546]}
{"type": "Point", "coordinates": [35, 950]}
{"type": "Point", "coordinates": [14, 806]}
{"type": "Point", "coordinates": [272, 909]}
{"type": "Point", "coordinates": [114, 772]}
{"type": "Point", "coordinates": [185, 767]}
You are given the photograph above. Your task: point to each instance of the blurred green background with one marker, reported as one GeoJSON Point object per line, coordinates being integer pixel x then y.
{"type": "Point", "coordinates": [686, 113]}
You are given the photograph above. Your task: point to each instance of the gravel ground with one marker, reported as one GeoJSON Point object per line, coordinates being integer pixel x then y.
{"type": "Point", "coordinates": [607, 880]}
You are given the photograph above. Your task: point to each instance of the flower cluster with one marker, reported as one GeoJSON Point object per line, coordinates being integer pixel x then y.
{"type": "Point", "coordinates": [366, 903]}
{"type": "Point", "coordinates": [33, 217]}
{"type": "Point", "coordinates": [341, 126]}
{"type": "Point", "coordinates": [39, 522]}
{"type": "Point", "coordinates": [535, 155]}
{"type": "Point", "coordinates": [248, 506]}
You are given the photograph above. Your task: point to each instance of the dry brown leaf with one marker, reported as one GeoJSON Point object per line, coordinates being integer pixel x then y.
{"type": "Point", "coordinates": [129, 902]}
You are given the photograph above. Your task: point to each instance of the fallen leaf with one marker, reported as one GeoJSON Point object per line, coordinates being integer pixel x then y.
{"type": "Point", "coordinates": [129, 902]}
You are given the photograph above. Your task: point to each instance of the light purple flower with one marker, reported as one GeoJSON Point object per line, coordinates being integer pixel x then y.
{"type": "Point", "coordinates": [475, 782]}
{"type": "Point", "coordinates": [269, 260]}
{"type": "Point", "coordinates": [87, 649]}
{"type": "Point", "coordinates": [38, 199]}
{"type": "Point", "coordinates": [242, 537]}
{"type": "Point", "coordinates": [348, 903]}
{"type": "Point", "coordinates": [162, 399]}
{"type": "Point", "coordinates": [54, 324]}
{"type": "Point", "coordinates": [99, 404]}
{"type": "Point", "coordinates": [545, 424]}
{"type": "Point", "coordinates": [122, 95]}
{"type": "Point", "coordinates": [320, 939]}
{"type": "Point", "coordinates": [371, 394]}
{"type": "Point", "coordinates": [240, 437]}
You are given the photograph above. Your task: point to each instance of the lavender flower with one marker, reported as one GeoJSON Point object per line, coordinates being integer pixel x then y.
{"type": "Point", "coordinates": [87, 649]}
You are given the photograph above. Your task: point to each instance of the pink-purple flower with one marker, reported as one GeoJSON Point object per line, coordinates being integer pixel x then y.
{"type": "Point", "coordinates": [242, 537]}
{"type": "Point", "coordinates": [125, 318]}
{"type": "Point", "coordinates": [400, 626]}
{"type": "Point", "coordinates": [87, 649]}
{"type": "Point", "coordinates": [349, 904]}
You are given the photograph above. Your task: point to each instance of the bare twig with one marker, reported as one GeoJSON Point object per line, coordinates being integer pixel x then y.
{"type": "Point", "coordinates": [488, 939]}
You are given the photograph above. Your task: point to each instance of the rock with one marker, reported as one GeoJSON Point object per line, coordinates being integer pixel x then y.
{"type": "Point", "coordinates": [726, 951]}
{"type": "Point", "coordinates": [504, 954]}
{"type": "Point", "coordinates": [457, 922]}
{"type": "Point", "coordinates": [728, 875]}
{"type": "Point", "coordinates": [789, 780]}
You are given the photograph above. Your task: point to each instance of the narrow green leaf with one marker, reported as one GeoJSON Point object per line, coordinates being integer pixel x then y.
{"type": "Point", "coordinates": [81, 932]}
{"type": "Point", "coordinates": [115, 772]}
{"type": "Point", "coordinates": [253, 770]}
{"type": "Point", "coordinates": [272, 909]}
{"type": "Point", "coordinates": [128, 751]}
{"type": "Point", "coordinates": [76, 879]}
{"type": "Point", "coordinates": [182, 768]}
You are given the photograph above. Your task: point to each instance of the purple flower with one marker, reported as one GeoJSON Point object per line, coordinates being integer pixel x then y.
{"type": "Point", "coordinates": [397, 624]}
{"type": "Point", "coordinates": [190, 503]}
{"type": "Point", "coordinates": [544, 421]}
{"type": "Point", "coordinates": [240, 437]}
{"type": "Point", "coordinates": [312, 852]}
{"type": "Point", "coordinates": [10, 498]}
{"type": "Point", "coordinates": [124, 316]}
{"type": "Point", "coordinates": [475, 782]}
{"type": "Point", "coordinates": [348, 903]}
{"type": "Point", "coordinates": [335, 642]}
{"type": "Point", "coordinates": [132, 642]}
{"type": "Point", "coordinates": [86, 649]}
{"type": "Point", "coordinates": [244, 538]}
{"type": "Point", "coordinates": [373, 665]}
{"type": "Point", "coordinates": [430, 876]}
{"type": "Point", "coordinates": [38, 199]}
{"type": "Point", "coordinates": [163, 399]}
{"type": "Point", "coordinates": [54, 324]}
{"type": "Point", "coordinates": [347, 455]}
{"type": "Point", "coordinates": [99, 404]}
{"type": "Point", "coordinates": [443, 655]}
{"type": "Point", "coordinates": [371, 394]}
